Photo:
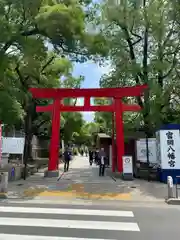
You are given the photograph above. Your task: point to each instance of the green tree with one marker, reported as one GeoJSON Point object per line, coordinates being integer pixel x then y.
{"type": "Point", "coordinates": [144, 49]}
{"type": "Point", "coordinates": [87, 134]}
{"type": "Point", "coordinates": [39, 71]}
{"type": "Point", "coordinates": [28, 30]}
{"type": "Point", "coordinates": [103, 119]}
{"type": "Point", "coordinates": [59, 24]}
{"type": "Point", "coordinates": [62, 23]}
{"type": "Point", "coordinates": [73, 124]}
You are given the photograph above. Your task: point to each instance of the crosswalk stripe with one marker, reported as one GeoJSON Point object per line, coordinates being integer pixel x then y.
{"type": "Point", "coordinates": [67, 211]}
{"type": "Point", "coordinates": [26, 237]}
{"type": "Point", "coordinates": [76, 224]}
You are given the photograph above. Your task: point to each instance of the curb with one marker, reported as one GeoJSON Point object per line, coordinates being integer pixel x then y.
{"type": "Point", "coordinates": [92, 203]}
{"type": "Point", "coordinates": [173, 201]}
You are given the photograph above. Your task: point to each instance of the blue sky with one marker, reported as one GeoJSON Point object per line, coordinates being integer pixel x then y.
{"type": "Point", "coordinates": [92, 73]}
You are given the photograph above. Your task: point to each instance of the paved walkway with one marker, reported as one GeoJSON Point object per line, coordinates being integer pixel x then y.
{"type": "Point", "coordinates": [81, 172]}
{"type": "Point", "coordinates": [83, 182]}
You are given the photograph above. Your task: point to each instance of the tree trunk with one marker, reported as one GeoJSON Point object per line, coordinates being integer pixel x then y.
{"type": "Point", "coordinates": [27, 156]}
{"type": "Point", "coordinates": [28, 139]}
{"type": "Point", "coordinates": [146, 112]}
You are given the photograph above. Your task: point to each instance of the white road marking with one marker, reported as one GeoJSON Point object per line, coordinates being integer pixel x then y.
{"type": "Point", "coordinates": [67, 211]}
{"type": "Point", "coordinates": [76, 224]}
{"type": "Point", "coordinates": [31, 237]}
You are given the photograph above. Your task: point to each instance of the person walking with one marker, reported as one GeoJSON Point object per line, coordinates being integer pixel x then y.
{"type": "Point", "coordinates": [86, 151]}
{"type": "Point", "coordinates": [102, 161]}
{"type": "Point", "coordinates": [90, 157]}
{"type": "Point", "coordinates": [82, 152]}
{"type": "Point", "coordinates": [96, 156]}
{"type": "Point", "coordinates": [67, 158]}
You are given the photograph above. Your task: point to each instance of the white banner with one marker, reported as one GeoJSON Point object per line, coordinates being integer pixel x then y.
{"type": "Point", "coordinates": [170, 149]}
{"type": "Point", "coordinates": [127, 164]}
{"type": "Point", "coordinates": [141, 150]}
{"type": "Point", "coordinates": [13, 145]}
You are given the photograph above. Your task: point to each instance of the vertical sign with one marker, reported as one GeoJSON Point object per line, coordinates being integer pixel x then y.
{"type": "Point", "coordinates": [170, 149]}
{"type": "Point", "coordinates": [127, 165]}
{"type": "Point", "coordinates": [171, 153]}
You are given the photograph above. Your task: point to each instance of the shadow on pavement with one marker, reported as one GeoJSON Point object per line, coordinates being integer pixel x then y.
{"type": "Point", "coordinates": [85, 183]}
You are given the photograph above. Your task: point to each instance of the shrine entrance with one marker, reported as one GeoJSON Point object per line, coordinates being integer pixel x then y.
{"type": "Point", "coordinates": [117, 108]}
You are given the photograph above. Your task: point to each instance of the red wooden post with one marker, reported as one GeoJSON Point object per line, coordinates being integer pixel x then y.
{"type": "Point", "coordinates": [55, 137]}
{"type": "Point", "coordinates": [119, 133]}
{"type": "Point", "coordinates": [118, 107]}
{"type": "Point", "coordinates": [87, 103]}
{"type": "Point", "coordinates": [113, 145]}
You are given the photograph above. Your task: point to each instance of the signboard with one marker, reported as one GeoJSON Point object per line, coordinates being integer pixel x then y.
{"type": "Point", "coordinates": [127, 164]}
{"type": "Point", "coordinates": [13, 145]}
{"type": "Point", "coordinates": [141, 150]}
{"type": "Point", "coordinates": [170, 149]}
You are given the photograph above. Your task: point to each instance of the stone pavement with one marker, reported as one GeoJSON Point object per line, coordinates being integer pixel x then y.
{"type": "Point", "coordinates": [82, 182]}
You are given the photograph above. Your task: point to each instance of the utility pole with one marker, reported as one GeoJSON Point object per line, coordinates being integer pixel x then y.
{"type": "Point", "coordinates": [147, 151]}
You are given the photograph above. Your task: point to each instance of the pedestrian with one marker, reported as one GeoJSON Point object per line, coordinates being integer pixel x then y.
{"type": "Point", "coordinates": [67, 158]}
{"type": "Point", "coordinates": [96, 156]}
{"type": "Point", "coordinates": [102, 161]}
{"type": "Point", "coordinates": [82, 152]}
{"type": "Point", "coordinates": [90, 157]}
{"type": "Point", "coordinates": [86, 151]}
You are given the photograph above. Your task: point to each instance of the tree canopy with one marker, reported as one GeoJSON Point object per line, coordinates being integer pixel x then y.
{"type": "Point", "coordinates": [40, 41]}
{"type": "Point", "coordinates": [143, 40]}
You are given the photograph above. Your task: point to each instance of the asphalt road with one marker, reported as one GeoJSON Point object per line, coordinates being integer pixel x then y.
{"type": "Point", "coordinates": [79, 222]}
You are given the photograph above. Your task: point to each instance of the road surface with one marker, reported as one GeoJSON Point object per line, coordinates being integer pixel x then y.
{"type": "Point", "coordinates": [24, 221]}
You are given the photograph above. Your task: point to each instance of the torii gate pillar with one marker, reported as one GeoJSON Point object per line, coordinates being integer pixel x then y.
{"type": "Point", "coordinates": [54, 144]}
{"type": "Point", "coordinates": [119, 133]}
{"type": "Point", "coordinates": [57, 107]}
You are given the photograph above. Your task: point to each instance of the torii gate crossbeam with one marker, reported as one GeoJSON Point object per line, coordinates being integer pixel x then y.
{"type": "Point", "coordinates": [117, 106]}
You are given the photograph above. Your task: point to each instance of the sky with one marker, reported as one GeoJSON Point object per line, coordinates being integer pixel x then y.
{"type": "Point", "coordinates": [92, 73]}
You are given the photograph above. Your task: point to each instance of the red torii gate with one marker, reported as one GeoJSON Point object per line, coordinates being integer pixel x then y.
{"type": "Point", "coordinates": [117, 107]}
